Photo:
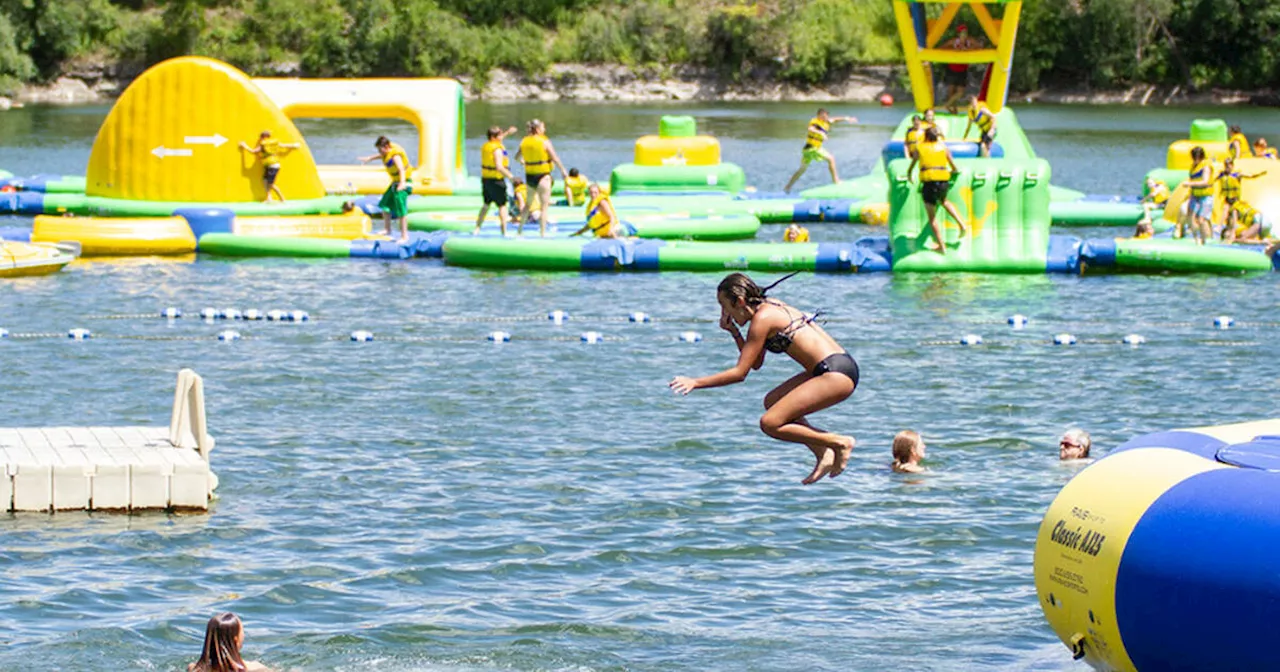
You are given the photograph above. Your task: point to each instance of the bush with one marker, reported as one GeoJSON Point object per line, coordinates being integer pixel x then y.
{"type": "Point", "coordinates": [15, 65]}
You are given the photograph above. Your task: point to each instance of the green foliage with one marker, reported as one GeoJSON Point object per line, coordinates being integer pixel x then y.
{"type": "Point", "coordinates": [1101, 43]}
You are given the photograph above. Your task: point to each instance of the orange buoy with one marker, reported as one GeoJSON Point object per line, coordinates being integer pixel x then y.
{"type": "Point", "coordinates": [886, 99]}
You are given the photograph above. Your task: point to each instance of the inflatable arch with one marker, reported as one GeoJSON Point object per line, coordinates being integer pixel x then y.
{"type": "Point", "coordinates": [434, 106]}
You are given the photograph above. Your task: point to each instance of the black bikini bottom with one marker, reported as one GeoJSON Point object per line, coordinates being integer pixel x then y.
{"type": "Point", "coordinates": [840, 362]}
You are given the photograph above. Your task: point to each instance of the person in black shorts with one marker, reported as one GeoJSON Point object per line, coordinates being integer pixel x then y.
{"type": "Point", "coordinates": [494, 173]}
{"type": "Point", "coordinates": [936, 168]}
{"type": "Point", "coordinates": [829, 375]}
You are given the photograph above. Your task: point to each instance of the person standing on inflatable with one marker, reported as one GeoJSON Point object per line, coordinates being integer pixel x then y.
{"type": "Point", "coordinates": [538, 157]}
{"type": "Point", "coordinates": [395, 200]}
{"type": "Point", "coordinates": [270, 149]}
{"type": "Point", "coordinates": [830, 374]}
{"type": "Point", "coordinates": [819, 127]}
{"type": "Point", "coordinates": [936, 169]}
{"type": "Point", "coordinates": [957, 76]}
{"type": "Point", "coordinates": [1200, 203]}
{"type": "Point", "coordinates": [985, 121]}
{"type": "Point", "coordinates": [494, 173]}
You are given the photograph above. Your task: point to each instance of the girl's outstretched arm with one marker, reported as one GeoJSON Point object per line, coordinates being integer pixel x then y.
{"type": "Point", "coordinates": [749, 352]}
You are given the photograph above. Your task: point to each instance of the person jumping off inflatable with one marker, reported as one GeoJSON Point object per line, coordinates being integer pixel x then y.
{"type": "Point", "coordinates": [494, 173]}
{"type": "Point", "coordinates": [936, 168]}
{"type": "Point", "coordinates": [830, 374]}
{"type": "Point", "coordinates": [819, 127]}
{"type": "Point", "coordinates": [395, 200]}
{"type": "Point", "coordinates": [269, 150]}
{"type": "Point", "coordinates": [982, 117]}
{"type": "Point", "coordinates": [538, 157]}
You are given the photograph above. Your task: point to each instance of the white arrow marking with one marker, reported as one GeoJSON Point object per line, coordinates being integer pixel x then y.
{"type": "Point", "coordinates": [216, 140]}
{"type": "Point", "coordinates": [163, 151]}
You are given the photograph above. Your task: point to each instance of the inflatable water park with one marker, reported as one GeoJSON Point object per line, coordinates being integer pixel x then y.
{"type": "Point", "coordinates": [165, 177]}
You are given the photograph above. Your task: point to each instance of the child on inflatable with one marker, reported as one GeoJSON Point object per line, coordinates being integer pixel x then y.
{"type": "Point", "coordinates": [269, 150]}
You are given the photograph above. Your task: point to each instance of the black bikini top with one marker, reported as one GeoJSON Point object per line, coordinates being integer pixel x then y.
{"type": "Point", "coordinates": [781, 341]}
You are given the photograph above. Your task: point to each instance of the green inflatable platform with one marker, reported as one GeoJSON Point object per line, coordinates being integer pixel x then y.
{"type": "Point", "coordinates": [1005, 204]}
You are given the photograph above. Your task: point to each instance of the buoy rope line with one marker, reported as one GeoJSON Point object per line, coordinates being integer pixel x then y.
{"type": "Point", "coordinates": [1081, 341]}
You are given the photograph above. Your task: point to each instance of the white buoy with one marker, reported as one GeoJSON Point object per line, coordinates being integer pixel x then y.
{"type": "Point", "coordinates": [1018, 321]}
{"type": "Point", "coordinates": [228, 335]}
{"type": "Point", "coordinates": [361, 336]}
{"type": "Point", "coordinates": [79, 334]}
{"type": "Point", "coordinates": [638, 317]}
{"type": "Point", "coordinates": [252, 314]}
{"type": "Point", "coordinates": [690, 337]}
{"type": "Point", "coordinates": [297, 316]}
{"type": "Point", "coordinates": [971, 339]}
{"type": "Point", "coordinates": [500, 336]}
{"type": "Point", "coordinates": [592, 337]}
{"type": "Point", "coordinates": [1223, 322]}
{"type": "Point", "coordinates": [4, 333]}
{"type": "Point", "coordinates": [558, 316]}
{"type": "Point", "coordinates": [209, 313]}
{"type": "Point", "coordinates": [1135, 339]}
{"type": "Point", "coordinates": [277, 315]}
{"type": "Point", "coordinates": [231, 314]}
{"type": "Point", "coordinates": [171, 313]}
{"type": "Point", "coordinates": [1064, 339]}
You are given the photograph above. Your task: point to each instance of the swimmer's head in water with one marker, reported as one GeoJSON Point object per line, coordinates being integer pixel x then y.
{"type": "Point", "coordinates": [908, 447]}
{"type": "Point", "coordinates": [223, 637]}
{"type": "Point", "coordinates": [1197, 153]}
{"type": "Point", "coordinates": [1074, 445]}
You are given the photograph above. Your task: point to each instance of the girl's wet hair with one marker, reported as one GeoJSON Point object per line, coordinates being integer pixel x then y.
{"type": "Point", "coordinates": [220, 653]}
{"type": "Point", "coordinates": [904, 446]}
{"type": "Point", "coordinates": [739, 286]}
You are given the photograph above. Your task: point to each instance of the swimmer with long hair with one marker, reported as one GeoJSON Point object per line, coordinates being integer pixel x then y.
{"type": "Point", "coordinates": [830, 374]}
{"type": "Point", "coordinates": [223, 637]}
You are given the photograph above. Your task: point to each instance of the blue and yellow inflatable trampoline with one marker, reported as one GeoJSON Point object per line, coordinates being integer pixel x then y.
{"type": "Point", "coordinates": [1165, 555]}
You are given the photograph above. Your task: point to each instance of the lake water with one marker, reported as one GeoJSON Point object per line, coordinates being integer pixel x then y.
{"type": "Point", "coordinates": [434, 501]}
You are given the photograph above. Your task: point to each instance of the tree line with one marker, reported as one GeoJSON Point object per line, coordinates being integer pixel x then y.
{"type": "Point", "coordinates": [1090, 43]}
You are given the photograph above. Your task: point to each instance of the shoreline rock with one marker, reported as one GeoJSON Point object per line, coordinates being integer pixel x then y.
{"type": "Point", "coordinates": [88, 83]}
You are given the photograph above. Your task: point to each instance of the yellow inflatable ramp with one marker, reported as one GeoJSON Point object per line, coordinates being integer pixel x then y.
{"type": "Point", "coordinates": [174, 136]}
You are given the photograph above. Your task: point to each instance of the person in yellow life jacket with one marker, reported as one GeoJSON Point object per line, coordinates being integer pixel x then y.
{"type": "Point", "coordinates": [1229, 181]}
{"type": "Point", "coordinates": [1246, 225]}
{"type": "Point", "coordinates": [494, 172]}
{"type": "Point", "coordinates": [936, 168]}
{"type": "Point", "coordinates": [395, 200]}
{"type": "Point", "coordinates": [602, 219]}
{"type": "Point", "coordinates": [981, 117]}
{"type": "Point", "coordinates": [1262, 151]}
{"type": "Point", "coordinates": [1144, 230]}
{"type": "Point", "coordinates": [575, 188]}
{"type": "Point", "coordinates": [795, 234]}
{"type": "Point", "coordinates": [1200, 202]}
{"type": "Point", "coordinates": [520, 197]}
{"type": "Point", "coordinates": [538, 157]}
{"type": "Point", "coordinates": [269, 150]}
{"type": "Point", "coordinates": [816, 135]}
{"type": "Point", "coordinates": [1237, 144]}
{"type": "Point", "coordinates": [930, 121]}
{"type": "Point", "coordinates": [1155, 199]}
{"type": "Point", "coordinates": [914, 135]}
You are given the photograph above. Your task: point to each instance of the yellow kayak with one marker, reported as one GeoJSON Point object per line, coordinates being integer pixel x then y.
{"type": "Point", "coordinates": [23, 259]}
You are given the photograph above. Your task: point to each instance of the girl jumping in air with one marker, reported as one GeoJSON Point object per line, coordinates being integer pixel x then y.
{"type": "Point", "coordinates": [830, 375]}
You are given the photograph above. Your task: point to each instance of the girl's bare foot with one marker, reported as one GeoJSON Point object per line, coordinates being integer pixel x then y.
{"type": "Point", "coordinates": [822, 467]}
{"type": "Point", "coordinates": [842, 456]}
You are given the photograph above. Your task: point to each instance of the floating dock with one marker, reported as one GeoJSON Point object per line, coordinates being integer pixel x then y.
{"type": "Point", "coordinates": [112, 468]}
